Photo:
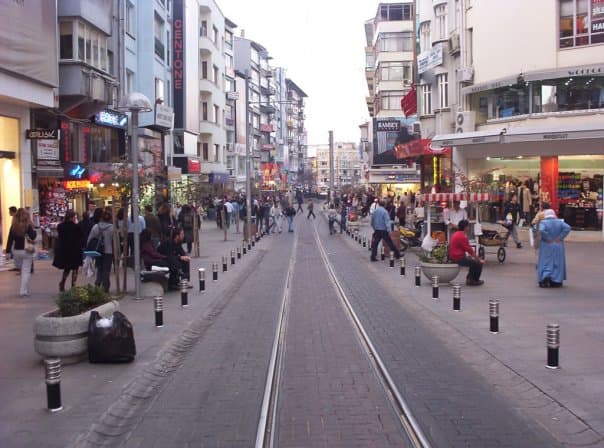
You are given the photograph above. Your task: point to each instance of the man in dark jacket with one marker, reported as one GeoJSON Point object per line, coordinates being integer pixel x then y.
{"type": "Point", "coordinates": [153, 225]}
{"type": "Point", "coordinates": [512, 208]}
{"type": "Point", "coordinates": [176, 256]}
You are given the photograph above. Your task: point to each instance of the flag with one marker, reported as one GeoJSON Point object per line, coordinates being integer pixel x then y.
{"type": "Point", "coordinates": [409, 102]}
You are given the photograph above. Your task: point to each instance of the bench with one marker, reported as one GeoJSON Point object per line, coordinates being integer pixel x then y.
{"type": "Point", "coordinates": [154, 281]}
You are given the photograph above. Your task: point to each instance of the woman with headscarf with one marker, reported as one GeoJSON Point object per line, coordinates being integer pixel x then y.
{"type": "Point", "coordinates": [551, 264]}
{"type": "Point", "coordinates": [68, 252]}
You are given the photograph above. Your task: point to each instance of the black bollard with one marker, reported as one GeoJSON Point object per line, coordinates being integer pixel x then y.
{"type": "Point", "coordinates": [553, 346]}
{"type": "Point", "coordinates": [238, 254]}
{"type": "Point", "coordinates": [202, 280]}
{"type": "Point", "coordinates": [253, 242]}
{"type": "Point", "coordinates": [224, 264]}
{"type": "Point", "coordinates": [418, 276]}
{"type": "Point", "coordinates": [494, 316]}
{"type": "Point", "coordinates": [370, 243]}
{"type": "Point", "coordinates": [184, 294]}
{"type": "Point", "coordinates": [244, 249]}
{"type": "Point", "coordinates": [214, 272]}
{"type": "Point", "coordinates": [456, 297]}
{"type": "Point", "coordinates": [52, 368]}
{"type": "Point", "coordinates": [232, 257]}
{"type": "Point", "coordinates": [364, 241]}
{"type": "Point", "coordinates": [391, 264]}
{"type": "Point", "coordinates": [159, 311]}
{"type": "Point", "coordinates": [403, 265]}
{"type": "Point", "coordinates": [383, 254]}
{"type": "Point", "coordinates": [435, 280]}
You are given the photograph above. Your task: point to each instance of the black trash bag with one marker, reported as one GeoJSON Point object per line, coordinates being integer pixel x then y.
{"type": "Point", "coordinates": [113, 343]}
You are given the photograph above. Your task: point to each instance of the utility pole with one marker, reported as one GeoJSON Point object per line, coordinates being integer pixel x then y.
{"type": "Point", "coordinates": [331, 170]}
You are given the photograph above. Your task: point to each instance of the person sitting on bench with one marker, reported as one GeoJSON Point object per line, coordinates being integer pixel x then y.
{"type": "Point", "coordinates": [177, 259]}
{"type": "Point", "coordinates": [149, 255]}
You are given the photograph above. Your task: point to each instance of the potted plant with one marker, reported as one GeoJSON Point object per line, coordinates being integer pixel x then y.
{"type": "Point", "coordinates": [63, 332]}
{"type": "Point", "coordinates": [437, 263]}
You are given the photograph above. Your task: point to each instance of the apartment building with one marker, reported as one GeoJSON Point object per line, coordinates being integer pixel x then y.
{"type": "Point", "coordinates": [531, 119]}
{"type": "Point", "coordinates": [296, 131]}
{"type": "Point", "coordinates": [396, 163]}
{"type": "Point", "coordinates": [346, 166]}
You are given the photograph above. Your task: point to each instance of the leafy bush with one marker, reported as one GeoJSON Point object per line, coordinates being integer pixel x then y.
{"type": "Point", "coordinates": [439, 255]}
{"type": "Point", "coordinates": [80, 299]}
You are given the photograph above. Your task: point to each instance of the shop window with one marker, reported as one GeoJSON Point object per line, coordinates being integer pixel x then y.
{"type": "Point", "coordinates": [567, 94]}
{"type": "Point", "coordinates": [581, 22]}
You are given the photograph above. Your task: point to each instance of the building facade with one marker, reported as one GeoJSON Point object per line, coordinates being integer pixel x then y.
{"type": "Point", "coordinates": [296, 131]}
{"type": "Point", "coordinates": [531, 122]}
{"type": "Point", "coordinates": [347, 164]}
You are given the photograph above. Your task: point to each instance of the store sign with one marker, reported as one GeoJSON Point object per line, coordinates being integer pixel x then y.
{"type": "Point", "coordinates": [76, 184]}
{"type": "Point", "coordinates": [7, 154]}
{"type": "Point", "coordinates": [430, 59]}
{"type": "Point", "coordinates": [218, 178]}
{"type": "Point", "coordinates": [164, 116]}
{"type": "Point", "coordinates": [266, 127]}
{"type": "Point", "coordinates": [597, 16]}
{"type": "Point", "coordinates": [48, 149]}
{"type": "Point", "coordinates": [37, 134]}
{"type": "Point", "coordinates": [111, 118]}
{"type": "Point", "coordinates": [75, 171]}
{"type": "Point", "coordinates": [403, 177]}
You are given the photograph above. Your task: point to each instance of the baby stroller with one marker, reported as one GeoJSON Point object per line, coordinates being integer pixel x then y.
{"type": "Point", "coordinates": [492, 238]}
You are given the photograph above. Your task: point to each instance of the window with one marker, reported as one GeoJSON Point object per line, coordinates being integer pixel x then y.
{"type": "Point", "coordinates": [66, 40]}
{"type": "Point", "coordinates": [391, 100]}
{"type": "Point", "coordinates": [169, 94]}
{"type": "Point", "coordinates": [424, 37]}
{"type": "Point", "coordinates": [206, 151]}
{"type": "Point", "coordinates": [228, 39]}
{"type": "Point", "coordinates": [129, 81]}
{"type": "Point", "coordinates": [159, 89]}
{"type": "Point", "coordinates": [216, 75]}
{"type": "Point", "coordinates": [204, 111]}
{"type": "Point", "coordinates": [575, 19]}
{"type": "Point", "coordinates": [159, 37]}
{"type": "Point", "coordinates": [440, 13]}
{"type": "Point", "coordinates": [443, 90]}
{"type": "Point", "coordinates": [168, 45]}
{"type": "Point", "coordinates": [395, 71]}
{"type": "Point", "coordinates": [216, 153]}
{"type": "Point", "coordinates": [215, 35]}
{"type": "Point", "coordinates": [92, 46]}
{"type": "Point", "coordinates": [396, 12]}
{"type": "Point", "coordinates": [216, 114]}
{"type": "Point", "coordinates": [228, 61]}
{"type": "Point", "coordinates": [130, 19]}
{"type": "Point", "coordinates": [426, 90]}
{"type": "Point", "coordinates": [204, 69]}
{"type": "Point", "coordinates": [203, 29]}
{"type": "Point", "coordinates": [395, 41]}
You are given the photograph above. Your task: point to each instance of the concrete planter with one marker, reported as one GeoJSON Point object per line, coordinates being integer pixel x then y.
{"type": "Point", "coordinates": [446, 272]}
{"type": "Point", "coordinates": [66, 337]}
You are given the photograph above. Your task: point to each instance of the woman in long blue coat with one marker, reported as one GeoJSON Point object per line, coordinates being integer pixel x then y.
{"type": "Point", "coordinates": [551, 264]}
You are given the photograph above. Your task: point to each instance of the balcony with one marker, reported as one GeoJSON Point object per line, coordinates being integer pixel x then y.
{"type": "Point", "coordinates": [267, 108]}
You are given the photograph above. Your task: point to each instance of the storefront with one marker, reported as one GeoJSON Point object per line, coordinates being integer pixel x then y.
{"type": "Point", "coordinates": [561, 166]}
{"type": "Point", "coordinates": [10, 179]}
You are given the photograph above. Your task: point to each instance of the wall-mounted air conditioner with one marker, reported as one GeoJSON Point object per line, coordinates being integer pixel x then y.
{"type": "Point", "coordinates": [466, 74]}
{"type": "Point", "coordinates": [417, 128]}
{"type": "Point", "coordinates": [454, 43]}
{"type": "Point", "coordinates": [465, 121]}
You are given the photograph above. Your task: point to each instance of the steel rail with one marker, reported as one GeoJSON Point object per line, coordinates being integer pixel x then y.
{"type": "Point", "coordinates": [408, 421]}
{"type": "Point", "coordinates": [266, 424]}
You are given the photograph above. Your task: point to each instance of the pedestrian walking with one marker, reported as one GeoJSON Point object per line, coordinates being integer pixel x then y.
{"type": "Point", "coordinates": [343, 215]}
{"type": "Point", "coordinates": [511, 212]}
{"type": "Point", "coordinates": [12, 211]}
{"type": "Point", "coordinates": [153, 225]}
{"type": "Point", "coordinates": [21, 238]}
{"type": "Point", "coordinates": [331, 218]}
{"type": "Point", "coordinates": [104, 232]}
{"type": "Point", "coordinates": [551, 264]}
{"type": "Point", "coordinates": [68, 254]}
{"type": "Point", "coordinates": [187, 223]}
{"type": "Point", "coordinates": [290, 212]}
{"type": "Point", "coordinates": [276, 218]}
{"type": "Point", "coordinates": [166, 219]}
{"type": "Point", "coordinates": [300, 199]}
{"type": "Point", "coordinates": [380, 222]}
{"type": "Point", "coordinates": [310, 207]}
{"type": "Point", "coordinates": [235, 217]}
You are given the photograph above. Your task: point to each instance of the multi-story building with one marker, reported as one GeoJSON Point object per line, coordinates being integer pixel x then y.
{"type": "Point", "coordinates": [346, 166]}
{"type": "Point", "coordinates": [529, 122]}
{"type": "Point", "coordinates": [28, 82]}
{"type": "Point", "coordinates": [296, 132]}
{"type": "Point", "coordinates": [396, 165]}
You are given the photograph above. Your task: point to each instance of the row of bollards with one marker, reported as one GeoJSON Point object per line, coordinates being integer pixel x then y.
{"type": "Point", "coordinates": [552, 331]}
{"type": "Point", "coordinates": [52, 366]}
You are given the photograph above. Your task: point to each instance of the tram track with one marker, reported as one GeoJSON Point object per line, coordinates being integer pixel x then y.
{"type": "Point", "coordinates": [266, 427]}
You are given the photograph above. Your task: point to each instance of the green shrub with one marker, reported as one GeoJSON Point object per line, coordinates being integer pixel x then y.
{"type": "Point", "coordinates": [80, 299]}
{"type": "Point", "coordinates": [439, 255]}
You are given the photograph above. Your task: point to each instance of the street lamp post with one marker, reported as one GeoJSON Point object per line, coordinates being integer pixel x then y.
{"type": "Point", "coordinates": [248, 162]}
{"type": "Point", "coordinates": [135, 103]}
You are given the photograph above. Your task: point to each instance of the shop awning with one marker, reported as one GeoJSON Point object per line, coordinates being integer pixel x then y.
{"type": "Point", "coordinates": [446, 197]}
{"type": "Point", "coordinates": [468, 138]}
{"type": "Point", "coordinates": [576, 132]}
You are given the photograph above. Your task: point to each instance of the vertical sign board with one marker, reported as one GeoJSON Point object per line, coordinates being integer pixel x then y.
{"type": "Point", "coordinates": [178, 66]}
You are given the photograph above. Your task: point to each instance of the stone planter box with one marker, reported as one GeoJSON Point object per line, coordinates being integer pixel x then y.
{"type": "Point", "coordinates": [66, 337]}
{"type": "Point", "coordinates": [446, 272]}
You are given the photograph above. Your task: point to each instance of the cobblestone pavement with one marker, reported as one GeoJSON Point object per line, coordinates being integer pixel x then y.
{"type": "Point", "coordinates": [329, 395]}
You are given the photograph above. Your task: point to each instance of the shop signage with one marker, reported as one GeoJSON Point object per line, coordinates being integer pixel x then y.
{"type": "Point", "coordinates": [48, 149]}
{"type": "Point", "coordinates": [174, 173]}
{"type": "Point", "coordinates": [188, 165]}
{"type": "Point", "coordinates": [404, 177]}
{"type": "Point", "coordinates": [178, 64]}
{"type": "Point", "coordinates": [7, 154]}
{"type": "Point", "coordinates": [266, 127]}
{"type": "Point", "coordinates": [267, 147]}
{"type": "Point", "coordinates": [76, 184]}
{"type": "Point", "coordinates": [75, 171]}
{"type": "Point", "coordinates": [164, 116]}
{"type": "Point", "coordinates": [430, 59]}
{"type": "Point", "coordinates": [111, 118]}
{"type": "Point", "coordinates": [37, 134]}
{"type": "Point", "coordinates": [232, 95]}
{"type": "Point", "coordinates": [218, 178]}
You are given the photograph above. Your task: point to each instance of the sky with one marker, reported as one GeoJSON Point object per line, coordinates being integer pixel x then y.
{"type": "Point", "coordinates": [321, 44]}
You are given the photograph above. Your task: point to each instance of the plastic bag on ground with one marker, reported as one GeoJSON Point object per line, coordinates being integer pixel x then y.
{"type": "Point", "coordinates": [111, 344]}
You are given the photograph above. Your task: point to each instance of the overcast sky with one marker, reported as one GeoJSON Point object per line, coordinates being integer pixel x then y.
{"type": "Point", "coordinates": [321, 44]}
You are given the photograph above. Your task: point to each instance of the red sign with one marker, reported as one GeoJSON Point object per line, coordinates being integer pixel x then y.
{"type": "Point", "coordinates": [266, 127]}
{"type": "Point", "coordinates": [417, 148]}
{"type": "Point", "coordinates": [409, 102]}
{"type": "Point", "coordinates": [194, 165]}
